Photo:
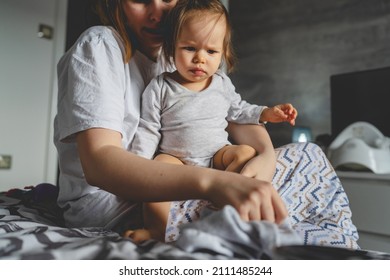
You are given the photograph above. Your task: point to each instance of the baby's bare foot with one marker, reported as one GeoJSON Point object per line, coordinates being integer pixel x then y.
{"type": "Point", "coordinates": [138, 235]}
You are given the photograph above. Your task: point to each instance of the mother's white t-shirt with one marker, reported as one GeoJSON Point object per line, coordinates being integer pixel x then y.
{"type": "Point", "coordinates": [96, 89]}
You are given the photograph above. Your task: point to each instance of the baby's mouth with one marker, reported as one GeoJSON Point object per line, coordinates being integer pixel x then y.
{"type": "Point", "coordinates": [198, 71]}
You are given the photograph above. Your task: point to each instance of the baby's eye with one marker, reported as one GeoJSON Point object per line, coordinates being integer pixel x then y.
{"type": "Point", "coordinates": [141, 1]}
{"type": "Point", "coordinates": [212, 51]}
{"type": "Point", "coordinates": [190, 49]}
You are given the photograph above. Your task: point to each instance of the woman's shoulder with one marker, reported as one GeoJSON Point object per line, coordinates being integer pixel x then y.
{"type": "Point", "coordinates": [96, 41]}
{"type": "Point", "coordinates": [99, 33]}
{"type": "Point", "coordinates": [99, 45]}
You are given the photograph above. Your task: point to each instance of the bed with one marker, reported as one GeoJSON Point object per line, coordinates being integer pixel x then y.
{"type": "Point", "coordinates": [319, 225]}
{"type": "Point", "coordinates": [32, 227]}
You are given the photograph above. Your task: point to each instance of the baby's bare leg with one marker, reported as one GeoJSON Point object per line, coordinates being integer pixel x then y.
{"type": "Point", "coordinates": [155, 214]}
{"type": "Point", "coordinates": [233, 157]}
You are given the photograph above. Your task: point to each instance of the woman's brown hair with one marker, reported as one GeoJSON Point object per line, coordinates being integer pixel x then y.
{"type": "Point", "coordinates": [111, 13]}
{"type": "Point", "coordinates": [185, 9]}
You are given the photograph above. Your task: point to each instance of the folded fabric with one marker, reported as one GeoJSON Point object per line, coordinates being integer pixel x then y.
{"type": "Point", "coordinates": [224, 233]}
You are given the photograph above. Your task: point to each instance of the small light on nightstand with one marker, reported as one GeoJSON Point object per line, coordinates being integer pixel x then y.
{"type": "Point", "coordinates": [301, 134]}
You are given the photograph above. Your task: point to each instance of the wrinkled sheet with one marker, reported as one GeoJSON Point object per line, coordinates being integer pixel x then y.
{"type": "Point", "coordinates": [31, 227]}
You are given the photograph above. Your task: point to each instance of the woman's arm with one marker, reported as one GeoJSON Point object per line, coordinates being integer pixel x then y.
{"type": "Point", "coordinates": [263, 166]}
{"type": "Point", "coordinates": [108, 166]}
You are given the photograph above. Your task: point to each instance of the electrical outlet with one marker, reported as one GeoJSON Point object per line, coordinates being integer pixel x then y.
{"type": "Point", "coordinates": [5, 161]}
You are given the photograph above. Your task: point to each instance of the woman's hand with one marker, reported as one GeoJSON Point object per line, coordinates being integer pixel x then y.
{"type": "Point", "coordinates": [253, 199]}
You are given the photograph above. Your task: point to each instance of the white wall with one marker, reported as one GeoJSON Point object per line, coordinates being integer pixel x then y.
{"type": "Point", "coordinates": [28, 89]}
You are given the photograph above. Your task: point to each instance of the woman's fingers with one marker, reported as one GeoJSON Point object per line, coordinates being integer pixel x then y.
{"type": "Point", "coordinates": [255, 206]}
{"type": "Point", "coordinates": [267, 211]}
{"type": "Point", "coordinates": [243, 211]}
{"type": "Point", "coordinates": [253, 199]}
{"type": "Point", "coordinates": [264, 204]}
{"type": "Point", "coordinates": [281, 212]}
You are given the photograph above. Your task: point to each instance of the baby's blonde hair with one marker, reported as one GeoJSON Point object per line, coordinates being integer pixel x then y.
{"type": "Point", "coordinates": [184, 10]}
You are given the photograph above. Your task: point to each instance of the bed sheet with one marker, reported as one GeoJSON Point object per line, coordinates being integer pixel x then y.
{"type": "Point", "coordinates": [32, 227]}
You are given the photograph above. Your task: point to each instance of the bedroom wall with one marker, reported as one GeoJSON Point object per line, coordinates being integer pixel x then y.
{"type": "Point", "coordinates": [27, 90]}
{"type": "Point", "coordinates": [288, 50]}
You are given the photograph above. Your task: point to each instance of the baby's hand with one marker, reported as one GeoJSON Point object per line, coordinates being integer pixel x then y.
{"type": "Point", "coordinates": [280, 113]}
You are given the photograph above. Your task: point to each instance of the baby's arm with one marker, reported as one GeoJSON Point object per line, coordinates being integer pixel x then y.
{"type": "Point", "coordinates": [279, 113]}
{"type": "Point", "coordinates": [147, 137]}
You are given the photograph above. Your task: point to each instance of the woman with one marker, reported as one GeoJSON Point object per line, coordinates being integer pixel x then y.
{"type": "Point", "coordinates": [100, 81]}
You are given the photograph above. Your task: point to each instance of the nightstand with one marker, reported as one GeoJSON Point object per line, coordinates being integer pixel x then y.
{"type": "Point", "coordinates": [369, 196]}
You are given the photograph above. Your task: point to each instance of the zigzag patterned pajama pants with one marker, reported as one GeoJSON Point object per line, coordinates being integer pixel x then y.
{"type": "Point", "coordinates": [317, 204]}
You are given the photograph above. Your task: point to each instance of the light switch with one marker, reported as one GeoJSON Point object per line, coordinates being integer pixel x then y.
{"type": "Point", "coordinates": [45, 31]}
{"type": "Point", "coordinates": [5, 161]}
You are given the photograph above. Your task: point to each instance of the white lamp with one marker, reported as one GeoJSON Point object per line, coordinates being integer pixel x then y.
{"type": "Point", "coordinates": [301, 134]}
